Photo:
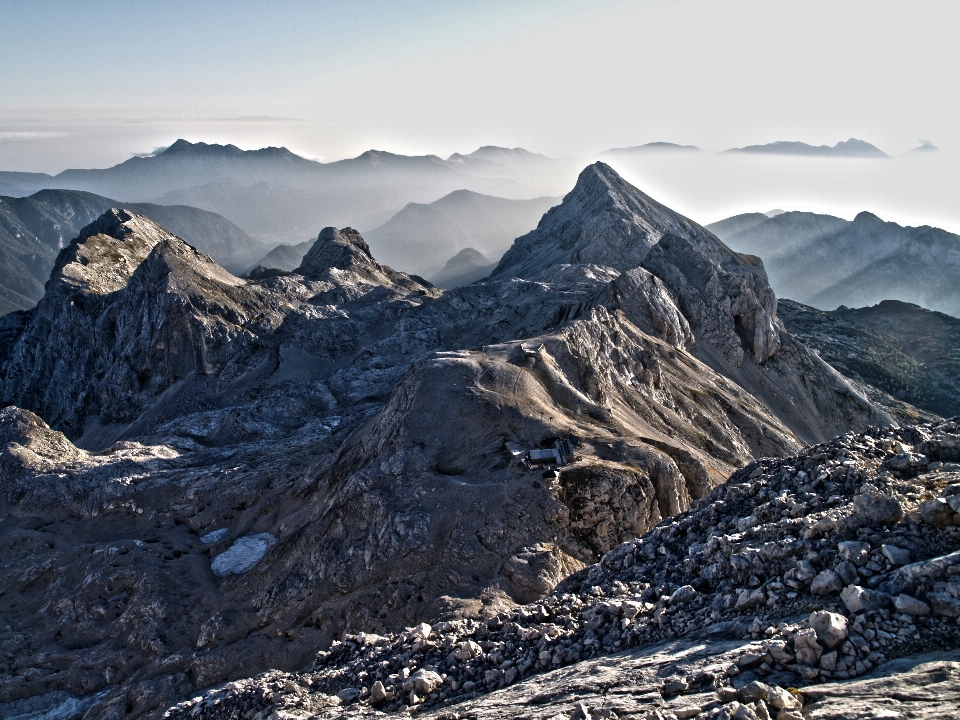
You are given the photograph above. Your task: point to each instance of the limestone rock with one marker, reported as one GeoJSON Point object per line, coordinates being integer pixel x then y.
{"type": "Point", "coordinates": [360, 417]}
{"type": "Point", "coordinates": [858, 599]}
{"type": "Point", "coordinates": [825, 583]}
{"type": "Point", "coordinates": [910, 605]}
{"type": "Point", "coordinates": [830, 627]}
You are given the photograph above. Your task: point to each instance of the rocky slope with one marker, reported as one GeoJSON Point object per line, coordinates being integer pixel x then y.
{"type": "Point", "coordinates": [764, 599]}
{"type": "Point", "coordinates": [899, 349]}
{"type": "Point", "coordinates": [237, 472]}
{"type": "Point", "coordinates": [826, 262]}
{"type": "Point", "coordinates": [34, 229]}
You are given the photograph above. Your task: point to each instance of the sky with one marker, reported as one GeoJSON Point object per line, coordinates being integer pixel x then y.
{"type": "Point", "coordinates": [88, 84]}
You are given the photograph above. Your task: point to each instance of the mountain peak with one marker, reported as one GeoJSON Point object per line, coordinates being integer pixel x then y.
{"type": "Point", "coordinates": [180, 145]}
{"type": "Point", "coordinates": [184, 147]}
{"type": "Point", "coordinates": [604, 220]}
{"type": "Point", "coordinates": [105, 253]}
{"type": "Point", "coordinates": [342, 249]}
{"type": "Point", "coordinates": [864, 217]}
{"type": "Point", "coordinates": [495, 153]}
{"type": "Point", "coordinates": [652, 148]}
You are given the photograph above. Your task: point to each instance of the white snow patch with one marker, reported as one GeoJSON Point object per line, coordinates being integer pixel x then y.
{"type": "Point", "coordinates": [212, 537]}
{"type": "Point", "coordinates": [242, 555]}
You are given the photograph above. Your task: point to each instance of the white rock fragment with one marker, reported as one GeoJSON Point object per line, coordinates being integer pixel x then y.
{"type": "Point", "coordinates": [242, 555]}
{"type": "Point", "coordinates": [859, 599]}
{"type": "Point", "coordinates": [854, 551]}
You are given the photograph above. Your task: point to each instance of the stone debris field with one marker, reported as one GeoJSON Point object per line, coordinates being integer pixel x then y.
{"type": "Point", "coordinates": [766, 599]}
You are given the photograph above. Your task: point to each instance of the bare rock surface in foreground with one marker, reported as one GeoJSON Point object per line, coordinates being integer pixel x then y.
{"type": "Point", "coordinates": [724, 608]}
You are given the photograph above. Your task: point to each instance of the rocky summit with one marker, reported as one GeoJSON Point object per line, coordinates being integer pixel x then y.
{"type": "Point", "coordinates": [206, 477]}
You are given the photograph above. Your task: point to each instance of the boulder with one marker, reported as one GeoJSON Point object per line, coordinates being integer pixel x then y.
{"type": "Point", "coordinates": [854, 551]}
{"type": "Point", "coordinates": [944, 604]}
{"type": "Point", "coordinates": [873, 507]}
{"type": "Point", "coordinates": [937, 513]}
{"type": "Point", "coordinates": [860, 600]}
{"type": "Point", "coordinates": [910, 605]}
{"type": "Point", "coordinates": [831, 628]}
{"type": "Point", "coordinates": [895, 555]}
{"type": "Point", "coordinates": [826, 583]}
{"type": "Point", "coordinates": [682, 595]}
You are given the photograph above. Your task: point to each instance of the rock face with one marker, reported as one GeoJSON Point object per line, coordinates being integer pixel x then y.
{"type": "Point", "coordinates": [379, 429]}
{"type": "Point", "coordinates": [894, 348]}
{"type": "Point", "coordinates": [606, 221]}
{"type": "Point", "coordinates": [709, 615]}
{"type": "Point", "coordinates": [130, 310]}
{"type": "Point", "coordinates": [34, 229]}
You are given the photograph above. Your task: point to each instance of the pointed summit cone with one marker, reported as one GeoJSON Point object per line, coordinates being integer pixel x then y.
{"type": "Point", "coordinates": [344, 258]}
{"type": "Point", "coordinates": [604, 220]}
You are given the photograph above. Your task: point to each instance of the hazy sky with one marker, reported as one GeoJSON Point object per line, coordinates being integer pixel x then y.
{"type": "Point", "coordinates": [88, 84]}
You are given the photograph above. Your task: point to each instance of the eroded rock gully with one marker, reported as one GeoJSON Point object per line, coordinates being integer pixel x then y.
{"type": "Point", "coordinates": [351, 442]}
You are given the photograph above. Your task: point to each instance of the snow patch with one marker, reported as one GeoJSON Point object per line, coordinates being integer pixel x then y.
{"type": "Point", "coordinates": [211, 537]}
{"type": "Point", "coordinates": [242, 555]}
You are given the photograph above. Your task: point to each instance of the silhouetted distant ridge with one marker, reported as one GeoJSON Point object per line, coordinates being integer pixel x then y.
{"type": "Point", "coordinates": [851, 148]}
{"type": "Point", "coordinates": [652, 148]}
{"type": "Point", "coordinates": [201, 149]}
{"type": "Point", "coordinates": [467, 266]}
{"type": "Point", "coordinates": [501, 154]}
{"type": "Point", "coordinates": [924, 148]}
{"type": "Point", "coordinates": [280, 197]}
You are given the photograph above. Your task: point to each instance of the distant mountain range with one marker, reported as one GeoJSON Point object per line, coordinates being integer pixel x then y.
{"type": "Point", "coordinates": [652, 148]}
{"type": "Point", "coordinates": [35, 228]}
{"type": "Point", "coordinates": [421, 237]}
{"type": "Point", "coordinates": [278, 196]}
{"type": "Point", "coordinates": [851, 148]}
{"type": "Point", "coordinates": [826, 261]}
{"type": "Point", "coordinates": [924, 148]}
